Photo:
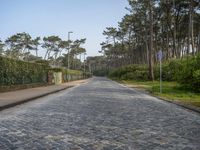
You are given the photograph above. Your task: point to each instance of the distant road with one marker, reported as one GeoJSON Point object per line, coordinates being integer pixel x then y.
{"type": "Point", "coordinates": [99, 115]}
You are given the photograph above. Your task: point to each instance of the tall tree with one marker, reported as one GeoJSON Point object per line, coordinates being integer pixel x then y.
{"type": "Point", "coordinates": [151, 74]}
{"type": "Point", "coordinates": [76, 49]}
{"type": "Point", "coordinates": [52, 46]}
{"type": "Point", "coordinates": [152, 25]}
{"type": "Point", "coordinates": [36, 43]}
{"type": "Point", "coordinates": [19, 45]}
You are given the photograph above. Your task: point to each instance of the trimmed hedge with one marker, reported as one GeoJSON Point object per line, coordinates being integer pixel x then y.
{"type": "Point", "coordinates": [71, 75]}
{"type": "Point", "coordinates": [16, 72]}
{"type": "Point", "coordinates": [20, 74]}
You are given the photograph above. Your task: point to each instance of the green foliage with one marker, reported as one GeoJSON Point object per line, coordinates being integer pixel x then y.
{"type": "Point", "coordinates": [170, 70]}
{"type": "Point", "coordinates": [130, 72]}
{"type": "Point", "coordinates": [171, 91]}
{"type": "Point", "coordinates": [186, 72]}
{"type": "Point", "coordinates": [75, 72]}
{"type": "Point", "coordinates": [101, 72]}
{"type": "Point", "coordinates": [65, 71]}
{"type": "Point", "coordinates": [52, 44]}
{"type": "Point", "coordinates": [87, 75]}
{"type": "Point", "coordinates": [15, 72]}
{"type": "Point", "coordinates": [69, 75]}
{"type": "Point", "coordinates": [20, 45]}
{"type": "Point", "coordinates": [196, 83]}
{"type": "Point", "coordinates": [189, 76]}
{"type": "Point", "coordinates": [44, 62]}
{"type": "Point", "coordinates": [56, 70]}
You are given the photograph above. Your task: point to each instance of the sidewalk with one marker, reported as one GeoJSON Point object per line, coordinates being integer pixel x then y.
{"type": "Point", "coordinates": [10, 99]}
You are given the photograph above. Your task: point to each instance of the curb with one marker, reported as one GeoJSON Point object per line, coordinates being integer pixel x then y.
{"type": "Point", "coordinates": [32, 98]}
{"type": "Point", "coordinates": [183, 105]}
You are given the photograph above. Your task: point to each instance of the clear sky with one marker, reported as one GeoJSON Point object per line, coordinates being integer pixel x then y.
{"type": "Point", "coordinates": [86, 18]}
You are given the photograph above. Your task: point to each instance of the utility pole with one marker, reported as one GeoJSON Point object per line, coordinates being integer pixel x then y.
{"type": "Point", "coordinates": [68, 64]}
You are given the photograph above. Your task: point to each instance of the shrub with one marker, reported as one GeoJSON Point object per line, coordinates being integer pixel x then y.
{"type": "Point", "coordinates": [189, 75]}
{"type": "Point", "coordinates": [130, 72]}
{"type": "Point", "coordinates": [15, 72]}
{"type": "Point", "coordinates": [101, 72]}
{"type": "Point", "coordinates": [185, 71]}
{"type": "Point", "coordinates": [170, 70]}
{"type": "Point", "coordinates": [196, 80]}
{"type": "Point", "coordinates": [69, 75]}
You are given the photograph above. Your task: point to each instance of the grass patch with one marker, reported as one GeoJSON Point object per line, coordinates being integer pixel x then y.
{"type": "Point", "coordinates": [171, 91]}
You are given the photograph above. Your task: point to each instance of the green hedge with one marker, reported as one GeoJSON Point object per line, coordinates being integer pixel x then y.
{"type": "Point", "coordinates": [16, 72]}
{"type": "Point", "coordinates": [70, 75]}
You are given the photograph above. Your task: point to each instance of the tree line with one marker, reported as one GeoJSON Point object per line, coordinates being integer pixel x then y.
{"type": "Point", "coordinates": [57, 51]}
{"type": "Point", "coordinates": [172, 26]}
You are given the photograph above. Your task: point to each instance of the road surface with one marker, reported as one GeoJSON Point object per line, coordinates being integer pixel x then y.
{"type": "Point", "coordinates": [99, 115]}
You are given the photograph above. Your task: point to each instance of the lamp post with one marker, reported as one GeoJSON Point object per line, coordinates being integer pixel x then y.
{"type": "Point", "coordinates": [84, 64]}
{"type": "Point", "coordinates": [68, 64]}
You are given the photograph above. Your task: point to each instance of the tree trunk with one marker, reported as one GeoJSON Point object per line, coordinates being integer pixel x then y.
{"type": "Point", "coordinates": [192, 27]}
{"type": "Point", "coordinates": [198, 45]}
{"type": "Point", "coordinates": [174, 54]}
{"type": "Point", "coordinates": [151, 73]}
{"type": "Point", "coordinates": [45, 57]}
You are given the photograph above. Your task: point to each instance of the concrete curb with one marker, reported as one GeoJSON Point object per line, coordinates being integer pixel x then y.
{"type": "Point", "coordinates": [183, 105]}
{"type": "Point", "coordinates": [33, 98]}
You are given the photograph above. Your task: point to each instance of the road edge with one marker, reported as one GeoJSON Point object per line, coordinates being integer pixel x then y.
{"type": "Point", "coordinates": [33, 98]}
{"type": "Point", "coordinates": [183, 105]}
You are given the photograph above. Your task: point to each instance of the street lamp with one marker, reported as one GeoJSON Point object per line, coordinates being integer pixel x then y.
{"type": "Point", "coordinates": [68, 65]}
{"type": "Point", "coordinates": [84, 61]}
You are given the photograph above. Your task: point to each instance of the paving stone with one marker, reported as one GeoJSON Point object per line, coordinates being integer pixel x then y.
{"type": "Point", "coordinates": [99, 115]}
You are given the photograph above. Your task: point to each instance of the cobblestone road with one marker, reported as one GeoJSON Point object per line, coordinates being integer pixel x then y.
{"type": "Point", "coordinates": [99, 115]}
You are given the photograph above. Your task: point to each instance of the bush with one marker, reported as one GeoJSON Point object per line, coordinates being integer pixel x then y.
{"type": "Point", "coordinates": [185, 71]}
{"type": "Point", "coordinates": [15, 72]}
{"type": "Point", "coordinates": [101, 72]}
{"type": "Point", "coordinates": [190, 74]}
{"type": "Point", "coordinates": [69, 75]}
{"type": "Point", "coordinates": [196, 80]}
{"type": "Point", "coordinates": [170, 70]}
{"type": "Point", "coordinates": [130, 72]}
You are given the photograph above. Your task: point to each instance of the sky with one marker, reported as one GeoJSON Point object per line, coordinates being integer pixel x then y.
{"type": "Point", "coordinates": [86, 18]}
